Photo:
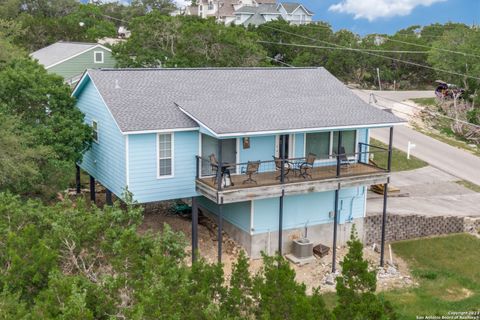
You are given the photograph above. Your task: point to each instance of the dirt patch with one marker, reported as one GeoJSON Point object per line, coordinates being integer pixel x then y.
{"type": "Point", "coordinates": [315, 274]}
{"type": "Point", "coordinates": [456, 294]}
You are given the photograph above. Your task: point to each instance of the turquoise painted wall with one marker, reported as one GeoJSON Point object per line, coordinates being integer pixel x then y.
{"type": "Point", "coordinates": [307, 209]}
{"type": "Point", "coordinates": [77, 65]}
{"type": "Point", "coordinates": [237, 214]}
{"type": "Point", "coordinates": [299, 145]}
{"type": "Point", "coordinates": [144, 184]}
{"type": "Point", "coordinates": [261, 148]}
{"type": "Point", "coordinates": [106, 159]}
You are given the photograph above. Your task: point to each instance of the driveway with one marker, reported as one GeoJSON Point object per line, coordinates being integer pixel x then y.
{"type": "Point", "coordinates": [455, 161]}
{"type": "Point", "coordinates": [427, 191]}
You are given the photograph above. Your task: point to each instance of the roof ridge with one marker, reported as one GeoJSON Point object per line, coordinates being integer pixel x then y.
{"type": "Point", "coordinates": [207, 68]}
{"type": "Point", "coordinates": [78, 42]}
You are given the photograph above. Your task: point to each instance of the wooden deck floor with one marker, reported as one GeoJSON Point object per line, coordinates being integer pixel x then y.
{"type": "Point", "coordinates": [318, 173]}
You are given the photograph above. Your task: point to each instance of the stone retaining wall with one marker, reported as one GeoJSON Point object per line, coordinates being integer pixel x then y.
{"type": "Point", "coordinates": [403, 227]}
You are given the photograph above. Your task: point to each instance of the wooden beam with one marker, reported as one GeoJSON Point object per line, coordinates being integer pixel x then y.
{"type": "Point", "coordinates": [194, 229]}
{"type": "Point", "coordinates": [275, 191]}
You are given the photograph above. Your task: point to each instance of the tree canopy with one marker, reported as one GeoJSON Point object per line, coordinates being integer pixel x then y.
{"type": "Point", "coordinates": [44, 134]}
{"type": "Point", "coordinates": [163, 41]}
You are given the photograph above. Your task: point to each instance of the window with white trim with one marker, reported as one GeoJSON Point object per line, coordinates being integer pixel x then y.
{"type": "Point", "coordinates": [324, 144]}
{"type": "Point", "coordinates": [98, 56]}
{"type": "Point", "coordinates": [95, 130]}
{"type": "Point", "coordinates": [348, 142]}
{"type": "Point", "coordinates": [318, 143]}
{"type": "Point", "coordinates": [165, 155]}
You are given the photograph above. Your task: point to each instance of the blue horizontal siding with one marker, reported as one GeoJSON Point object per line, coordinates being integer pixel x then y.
{"type": "Point", "coordinates": [237, 214]}
{"type": "Point", "coordinates": [145, 185]}
{"type": "Point", "coordinates": [307, 209]}
{"type": "Point", "coordinates": [105, 161]}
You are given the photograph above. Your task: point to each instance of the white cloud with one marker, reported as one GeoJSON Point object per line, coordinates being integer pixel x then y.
{"type": "Point", "coordinates": [182, 3]}
{"type": "Point", "coordinates": [374, 9]}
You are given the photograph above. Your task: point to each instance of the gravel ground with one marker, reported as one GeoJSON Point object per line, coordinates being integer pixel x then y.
{"type": "Point", "coordinates": [314, 274]}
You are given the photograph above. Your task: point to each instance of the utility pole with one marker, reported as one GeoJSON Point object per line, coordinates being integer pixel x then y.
{"type": "Point", "coordinates": [379, 82]}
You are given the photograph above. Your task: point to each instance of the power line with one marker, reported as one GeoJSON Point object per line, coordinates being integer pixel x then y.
{"type": "Point", "coordinates": [281, 62]}
{"type": "Point", "coordinates": [399, 102]}
{"type": "Point", "coordinates": [347, 48]}
{"type": "Point", "coordinates": [370, 53]}
{"type": "Point", "coordinates": [433, 48]}
{"type": "Point", "coordinates": [418, 108]}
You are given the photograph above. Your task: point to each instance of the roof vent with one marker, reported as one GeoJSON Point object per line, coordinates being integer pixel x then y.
{"type": "Point", "coordinates": [117, 86]}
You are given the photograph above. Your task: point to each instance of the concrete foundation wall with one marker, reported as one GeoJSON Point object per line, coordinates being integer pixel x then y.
{"type": "Point", "coordinates": [321, 233]}
{"type": "Point", "coordinates": [267, 242]}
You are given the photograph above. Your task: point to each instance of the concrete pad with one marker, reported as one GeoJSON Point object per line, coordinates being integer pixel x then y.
{"type": "Point", "coordinates": [429, 191]}
{"type": "Point", "coordinates": [455, 205]}
{"type": "Point", "coordinates": [425, 175]}
{"type": "Point", "coordinates": [300, 261]}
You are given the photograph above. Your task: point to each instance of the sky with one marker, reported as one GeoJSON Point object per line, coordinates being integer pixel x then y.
{"type": "Point", "coordinates": [387, 16]}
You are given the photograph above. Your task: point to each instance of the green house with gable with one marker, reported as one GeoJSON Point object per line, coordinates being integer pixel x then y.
{"type": "Point", "coordinates": [71, 59]}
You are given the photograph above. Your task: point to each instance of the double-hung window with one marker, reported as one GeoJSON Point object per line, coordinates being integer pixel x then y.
{"type": "Point", "coordinates": [95, 131]}
{"type": "Point", "coordinates": [165, 155]}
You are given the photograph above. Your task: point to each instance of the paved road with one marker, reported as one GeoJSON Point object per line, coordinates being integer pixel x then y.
{"type": "Point", "coordinates": [454, 161]}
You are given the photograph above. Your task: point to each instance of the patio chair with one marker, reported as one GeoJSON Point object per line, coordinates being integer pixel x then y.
{"type": "Point", "coordinates": [214, 167]}
{"type": "Point", "coordinates": [225, 170]}
{"type": "Point", "coordinates": [287, 166]}
{"type": "Point", "coordinates": [250, 170]}
{"type": "Point", "coordinates": [344, 161]}
{"type": "Point", "coordinates": [307, 166]}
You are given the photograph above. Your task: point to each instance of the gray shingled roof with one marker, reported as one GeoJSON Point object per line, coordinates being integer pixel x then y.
{"type": "Point", "coordinates": [232, 100]}
{"type": "Point", "coordinates": [256, 20]}
{"type": "Point", "coordinates": [261, 8]}
{"type": "Point", "coordinates": [290, 7]}
{"type": "Point", "coordinates": [60, 51]}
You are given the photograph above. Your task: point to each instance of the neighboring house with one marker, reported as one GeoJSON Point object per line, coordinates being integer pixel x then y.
{"type": "Point", "coordinates": [156, 129]}
{"type": "Point", "coordinates": [71, 59]}
{"type": "Point", "coordinates": [294, 13]}
{"type": "Point", "coordinates": [250, 12]}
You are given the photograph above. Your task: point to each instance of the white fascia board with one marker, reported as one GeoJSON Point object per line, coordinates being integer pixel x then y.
{"type": "Point", "coordinates": [84, 76]}
{"type": "Point", "coordinates": [307, 12]}
{"type": "Point", "coordinates": [77, 54]}
{"type": "Point", "coordinates": [160, 131]}
{"type": "Point", "coordinates": [269, 132]}
{"type": "Point", "coordinates": [256, 133]}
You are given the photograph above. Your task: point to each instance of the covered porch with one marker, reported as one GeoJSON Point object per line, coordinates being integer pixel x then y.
{"type": "Point", "coordinates": [233, 182]}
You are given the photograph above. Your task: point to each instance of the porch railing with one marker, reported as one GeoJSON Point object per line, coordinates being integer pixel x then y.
{"type": "Point", "coordinates": [367, 155]}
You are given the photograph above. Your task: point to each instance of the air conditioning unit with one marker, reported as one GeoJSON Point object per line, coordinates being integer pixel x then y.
{"type": "Point", "coordinates": [302, 248]}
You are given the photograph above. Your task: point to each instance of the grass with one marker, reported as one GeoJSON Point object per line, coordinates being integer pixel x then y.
{"type": "Point", "coordinates": [399, 158]}
{"type": "Point", "coordinates": [449, 139]}
{"type": "Point", "coordinates": [447, 270]}
{"type": "Point", "coordinates": [469, 185]}
{"type": "Point", "coordinates": [425, 101]}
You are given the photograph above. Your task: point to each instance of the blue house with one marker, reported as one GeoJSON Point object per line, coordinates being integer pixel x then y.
{"type": "Point", "coordinates": [258, 149]}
